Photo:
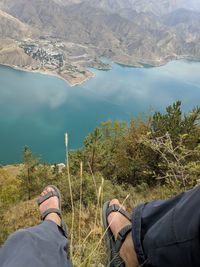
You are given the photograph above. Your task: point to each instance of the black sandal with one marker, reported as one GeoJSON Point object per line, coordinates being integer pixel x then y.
{"type": "Point", "coordinates": [50, 194]}
{"type": "Point", "coordinates": [114, 246]}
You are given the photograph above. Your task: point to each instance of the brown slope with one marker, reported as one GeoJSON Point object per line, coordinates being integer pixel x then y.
{"type": "Point", "coordinates": [11, 27]}
{"type": "Point", "coordinates": [111, 5]}
{"type": "Point", "coordinates": [165, 6]}
{"type": "Point", "coordinates": [11, 54]}
{"type": "Point", "coordinates": [79, 23]}
{"type": "Point", "coordinates": [145, 37]}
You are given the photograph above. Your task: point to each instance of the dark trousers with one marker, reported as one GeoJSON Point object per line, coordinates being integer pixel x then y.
{"type": "Point", "coordinates": [167, 233]}
{"type": "Point", "coordinates": [41, 246]}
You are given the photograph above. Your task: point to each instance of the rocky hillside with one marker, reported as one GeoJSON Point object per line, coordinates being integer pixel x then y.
{"type": "Point", "coordinates": [11, 27]}
{"type": "Point", "coordinates": [165, 6]}
{"type": "Point", "coordinates": [127, 31]}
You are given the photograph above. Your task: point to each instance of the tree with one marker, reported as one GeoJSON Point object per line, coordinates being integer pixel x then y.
{"type": "Point", "coordinates": [128, 155]}
{"type": "Point", "coordinates": [28, 176]}
{"type": "Point", "coordinates": [116, 149]}
{"type": "Point", "coordinates": [101, 146]}
{"type": "Point", "coordinates": [93, 148]}
{"type": "Point", "coordinates": [179, 166]}
{"type": "Point", "coordinates": [176, 124]}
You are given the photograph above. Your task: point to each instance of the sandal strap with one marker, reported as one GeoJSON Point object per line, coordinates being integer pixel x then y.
{"type": "Point", "coordinates": [64, 228]}
{"type": "Point", "coordinates": [117, 208]}
{"type": "Point", "coordinates": [122, 236]}
{"type": "Point", "coordinates": [52, 210]}
{"type": "Point", "coordinates": [47, 196]}
{"type": "Point", "coordinates": [116, 261]}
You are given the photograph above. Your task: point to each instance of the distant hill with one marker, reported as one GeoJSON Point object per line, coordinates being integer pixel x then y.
{"type": "Point", "coordinates": [111, 5]}
{"type": "Point", "coordinates": [11, 27]}
{"type": "Point", "coordinates": [183, 16]}
{"type": "Point", "coordinates": [128, 31]}
{"type": "Point", "coordinates": [160, 7]}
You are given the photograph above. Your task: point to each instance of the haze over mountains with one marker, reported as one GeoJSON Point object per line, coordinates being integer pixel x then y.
{"type": "Point", "coordinates": [127, 31]}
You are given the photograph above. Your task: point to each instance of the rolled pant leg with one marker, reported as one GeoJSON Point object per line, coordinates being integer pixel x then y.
{"type": "Point", "coordinates": [167, 233]}
{"type": "Point", "coordinates": [41, 246]}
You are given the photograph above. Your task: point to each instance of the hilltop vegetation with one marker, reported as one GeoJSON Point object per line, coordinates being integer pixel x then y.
{"type": "Point", "coordinates": [147, 159]}
{"type": "Point", "coordinates": [161, 149]}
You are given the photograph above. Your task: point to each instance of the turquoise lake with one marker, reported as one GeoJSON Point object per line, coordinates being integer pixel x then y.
{"type": "Point", "coordinates": [36, 110]}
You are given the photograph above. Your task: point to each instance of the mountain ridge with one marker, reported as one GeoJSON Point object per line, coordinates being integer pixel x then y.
{"type": "Point", "coordinates": [80, 32]}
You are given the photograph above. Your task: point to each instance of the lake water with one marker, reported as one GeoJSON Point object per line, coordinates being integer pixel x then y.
{"type": "Point", "coordinates": [36, 109]}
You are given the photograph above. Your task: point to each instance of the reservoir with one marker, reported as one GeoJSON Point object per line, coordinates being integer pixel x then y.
{"type": "Point", "coordinates": [36, 110]}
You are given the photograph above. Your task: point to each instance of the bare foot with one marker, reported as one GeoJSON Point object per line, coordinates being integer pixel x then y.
{"type": "Point", "coordinates": [117, 221]}
{"type": "Point", "coordinates": [52, 202]}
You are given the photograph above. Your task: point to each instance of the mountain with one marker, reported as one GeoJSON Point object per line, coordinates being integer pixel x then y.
{"type": "Point", "coordinates": [111, 5]}
{"type": "Point", "coordinates": [186, 25]}
{"type": "Point", "coordinates": [11, 27]}
{"type": "Point", "coordinates": [160, 7]}
{"type": "Point", "coordinates": [67, 2]}
{"type": "Point", "coordinates": [183, 16]}
{"type": "Point", "coordinates": [157, 7]}
{"type": "Point", "coordinates": [67, 35]}
{"type": "Point", "coordinates": [37, 13]}
{"type": "Point", "coordinates": [78, 23]}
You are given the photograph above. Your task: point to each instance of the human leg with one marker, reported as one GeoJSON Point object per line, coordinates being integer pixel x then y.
{"type": "Point", "coordinates": [42, 245]}
{"type": "Point", "coordinates": [164, 233]}
{"type": "Point", "coordinates": [116, 222]}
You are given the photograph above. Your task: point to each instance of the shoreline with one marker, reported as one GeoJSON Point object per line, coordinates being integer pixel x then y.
{"type": "Point", "coordinates": [47, 72]}
{"type": "Point", "coordinates": [156, 63]}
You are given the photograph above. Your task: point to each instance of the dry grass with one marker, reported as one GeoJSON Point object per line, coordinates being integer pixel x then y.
{"type": "Point", "coordinates": [88, 247]}
{"type": "Point", "coordinates": [13, 170]}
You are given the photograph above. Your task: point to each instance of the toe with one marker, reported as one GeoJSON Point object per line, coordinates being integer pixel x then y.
{"type": "Point", "coordinates": [51, 202]}
{"type": "Point", "coordinates": [112, 215]}
{"type": "Point", "coordinates": [45, 192]}
{"type": "Point", "coordinates": [49, 189]}
{"type": "Point", "coordinates": [116, 202]}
